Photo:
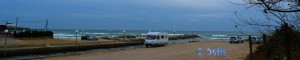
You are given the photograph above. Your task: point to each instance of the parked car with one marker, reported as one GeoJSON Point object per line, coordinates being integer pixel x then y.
{"type": "Point", "coordinates": [87, 37]}
{"type": "Point", "coordinates": [257, 40]}
{"type": "Point", "coordinates": [236, 40]}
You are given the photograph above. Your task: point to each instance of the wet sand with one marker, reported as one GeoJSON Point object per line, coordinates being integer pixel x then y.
{"type": "Point", "coordinates": [170, 52]}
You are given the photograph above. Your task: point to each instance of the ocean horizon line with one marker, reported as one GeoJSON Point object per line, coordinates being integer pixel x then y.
{"type": "Point", "coordinates": [152, 30]}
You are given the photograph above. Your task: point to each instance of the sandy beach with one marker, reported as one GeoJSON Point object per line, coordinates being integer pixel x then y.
{"type": "Point", "coordinates": [170, 52]}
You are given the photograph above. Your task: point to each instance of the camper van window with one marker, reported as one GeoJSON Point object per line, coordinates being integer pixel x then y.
{"type": "Point", "coordinates": [151, 37]}
{"type": "Point", "coordinates": [162, 37]}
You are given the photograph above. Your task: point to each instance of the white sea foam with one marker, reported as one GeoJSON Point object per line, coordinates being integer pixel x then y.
{"type": "Point", "coordinates": [175, 34]}
{"type": "Point", "coordinates": [219, 35]}
{"type": "Point", "coordinates": [62, 34]}
{"type": "Point", "coordinates": [65, 35]}
{"type": "Point", "coordinates": [97, 33]}
{"type": "Point", "coordinates": [169, 34]}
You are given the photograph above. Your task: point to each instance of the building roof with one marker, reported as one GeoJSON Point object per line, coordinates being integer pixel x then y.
{"type": "Point", "coordinates": [11, 26]}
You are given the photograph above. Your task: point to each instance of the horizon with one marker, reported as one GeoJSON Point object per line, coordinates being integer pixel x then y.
{"type": "Point", "coordinates": [150, 30]}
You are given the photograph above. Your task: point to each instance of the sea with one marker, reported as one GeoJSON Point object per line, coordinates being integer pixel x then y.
{"type": "Point", "coordinates": [213, 35]}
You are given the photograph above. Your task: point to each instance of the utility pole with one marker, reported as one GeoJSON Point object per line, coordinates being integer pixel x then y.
{"type": "Point", "coordinates": [45, 32]}
{"type": "Point", "coordinates": [16, 28]}
{"type": "Point", "coordinates": [46, 26]}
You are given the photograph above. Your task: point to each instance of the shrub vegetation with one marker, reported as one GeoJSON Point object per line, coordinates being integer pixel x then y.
{"type": "Point", "coordinates": [275, 48]}
{"type": "Point", "coordinates": [34, 34]}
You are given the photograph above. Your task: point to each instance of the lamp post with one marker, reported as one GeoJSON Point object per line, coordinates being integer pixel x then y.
{"type": "Point", "coordinates": [5, 42]}
{"type": "Point", "coordinates": [110, 34]}
{"type": "Point", "coordinates": [192, 35]}
{"type": "Point", "coordinates": [124, 38]}
{"type": "Point", "coordinates": [76, 41]}
{"type": "Point", "coordinates": [174, 35]}
{"type": "Point", "coordinates": [76, 36]}
{"type": "Point", "coordinates": [124, 34]}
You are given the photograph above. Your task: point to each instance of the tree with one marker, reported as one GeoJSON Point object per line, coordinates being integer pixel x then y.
{"type": "Point", "coordinates": [282, 18]}
{"type": "Point", "coordinates": [276, 12]}
{"type": "Point", "coordinates": [276, 5]}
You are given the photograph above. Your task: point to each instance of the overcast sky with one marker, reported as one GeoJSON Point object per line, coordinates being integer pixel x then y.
{"type": "Point", "coordinates": [202, 15]}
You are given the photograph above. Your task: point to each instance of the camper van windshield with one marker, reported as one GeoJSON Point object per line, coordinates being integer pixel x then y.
{"type": "Point", "coordinates": [151, 37]}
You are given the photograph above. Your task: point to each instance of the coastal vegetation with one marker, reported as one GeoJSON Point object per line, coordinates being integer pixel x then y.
{"type": "Point", "coordinates": [276, 48]}
{"type": "Point", "coordinates": [34, 34]}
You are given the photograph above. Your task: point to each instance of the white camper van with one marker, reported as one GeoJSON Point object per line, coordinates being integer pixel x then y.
{"type": "Point", "coordinates": [156, 39]}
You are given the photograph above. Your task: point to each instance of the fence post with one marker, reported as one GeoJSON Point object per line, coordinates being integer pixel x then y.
{"type": "Point", "coordinates": [266, 46]}
{"type": "Point", "coordinates": [264, 38]}
{"type": "Point", "coordinates": [287, 40]}
{"type": "Point", "coordinates": [250, 45]}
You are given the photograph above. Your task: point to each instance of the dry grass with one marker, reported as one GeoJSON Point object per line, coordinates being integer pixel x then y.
{"type": "Point", "coordinates": [62, 49]}
{"type": "Point", "coordinates": [23, 43]}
